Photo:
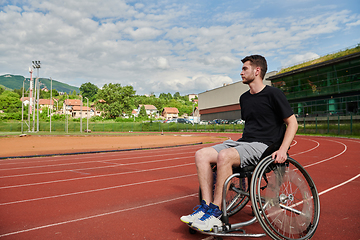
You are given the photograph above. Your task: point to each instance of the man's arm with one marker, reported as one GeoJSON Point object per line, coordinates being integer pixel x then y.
{"type": "Point", "coordinates": [292, 126]}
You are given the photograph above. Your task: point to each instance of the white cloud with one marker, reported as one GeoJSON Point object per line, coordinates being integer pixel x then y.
{"type": "Point", "coordinates": [161, 46]}
{"type": "Point", "coordinates": [300, 58]}
{"type": "Point", "coordinates": [353, 24]}
{"type": "Point", "coordinates": [143, 33]}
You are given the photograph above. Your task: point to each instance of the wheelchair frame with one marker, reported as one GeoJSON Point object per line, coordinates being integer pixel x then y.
{"type": "Point", "coordinates": [272, 211]}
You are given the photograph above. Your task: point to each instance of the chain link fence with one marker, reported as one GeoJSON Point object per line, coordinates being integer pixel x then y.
{"type": "Point", "coordinates": [331, 125]}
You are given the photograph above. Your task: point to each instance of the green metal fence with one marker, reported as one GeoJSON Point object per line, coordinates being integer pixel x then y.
{"type": "Point", "coordinates": [333, 125]}
{"type": "Point", "coordinates": [74, 127]}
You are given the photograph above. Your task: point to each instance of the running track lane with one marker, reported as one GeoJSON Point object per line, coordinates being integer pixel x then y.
{"type": "Point", "coordinates": [142, 194]}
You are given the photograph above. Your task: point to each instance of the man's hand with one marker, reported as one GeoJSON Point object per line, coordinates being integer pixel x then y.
{"type": "Point", "coordinates": [280, 156]}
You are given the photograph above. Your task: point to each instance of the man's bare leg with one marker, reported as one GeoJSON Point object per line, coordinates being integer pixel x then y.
{"type": "Point", "coordinates": [203, 160]}
{"type": "Point", "coordinates": [227, 158]}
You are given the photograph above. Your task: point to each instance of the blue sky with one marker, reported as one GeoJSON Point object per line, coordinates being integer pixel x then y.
{"type": "Point", "coordinates": [168, 46]}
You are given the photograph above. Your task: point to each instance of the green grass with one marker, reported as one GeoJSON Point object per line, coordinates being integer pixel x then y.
{"type": "Point", "coordinates": [322, 59]}
{"type": "Point", "coordinates": [118, 128]}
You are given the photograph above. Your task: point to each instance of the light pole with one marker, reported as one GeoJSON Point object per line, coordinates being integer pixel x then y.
{"type": "Point", "coordinates": [193, 114]}
{"type": "Point", "coordinates": [81, 104]}
{"type": "Point", "coordinates": [50, 102]}
{"type": "Point", "coordinates": [36, 64]}
{"type": "Point", "coordinates": [66, 115]}
{"type": "Point", "coordinates": [22, 108]}
{"type": "Point", "coordinates": [30, 96]}
{"type": "Point", "coordinates": [87, 114]}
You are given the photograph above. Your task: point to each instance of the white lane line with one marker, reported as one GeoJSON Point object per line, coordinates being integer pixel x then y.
{"type": "Point", "coordinates": [107, 161]}
{"type": "Point", "coordinates": [96, 176]}
{"type": "Point", "coordinates": [138, 207]}
{"type": "Point", "coordinates": [91, 168]}
{"type": "Point", "coordinates": [309, 150]}
{"type": "Point", "coordinates": [105, 175]}
{"type": "Point", "coordinates": [327, 159]}
{"type": "Point", "coordinates": [339, 185]}
{"type": "Point", "coordinates": [95, 190]}
{"type": "Point", "coordinates": [95, 216]}
{"type": "Point", "coordinates": [142, 153]}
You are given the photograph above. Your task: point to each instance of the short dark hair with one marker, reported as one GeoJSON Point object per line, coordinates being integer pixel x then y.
{"type": "Point", "coordinates": [257, 61]}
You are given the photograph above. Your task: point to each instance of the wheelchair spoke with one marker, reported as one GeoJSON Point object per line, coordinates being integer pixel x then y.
{"type": "Point", "coordinates": [290, 210]}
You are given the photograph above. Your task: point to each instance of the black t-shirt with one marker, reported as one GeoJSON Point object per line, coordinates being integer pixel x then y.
{"type": "Point", "coordinates": [263, 113]}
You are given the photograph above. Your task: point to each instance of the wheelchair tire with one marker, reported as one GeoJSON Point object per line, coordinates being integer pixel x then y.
{"type": "Point", "coordinates": [284, 199]}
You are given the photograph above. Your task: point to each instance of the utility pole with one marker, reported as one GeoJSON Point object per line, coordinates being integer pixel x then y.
{"type": "Point", "coordinates": [36, 64]}
{"type": "Point", "coordinates": [52, 105]}
{"type": "Point", "coordinates": [66, 115]}
{"type": "Point", "coordinates": [22, 108]}
{"type": "Point", "coordinates": [81, 104]}
{"type": "Point", "coordinates": [30, 96]}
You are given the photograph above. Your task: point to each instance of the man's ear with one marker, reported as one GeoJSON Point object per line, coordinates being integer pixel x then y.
{"type": "Point", "coordinates": [257, 71]}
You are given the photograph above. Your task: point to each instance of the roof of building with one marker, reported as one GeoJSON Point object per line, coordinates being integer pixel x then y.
{"type": "Point", "coordinates": [41, 101]}
{"type": "Point", "coordinates": [170, 110]}
{"type": "Point", "coordinates": [148, 107]}
{"type": "Point", "coordinates": [46, 102]}
{"type": "Point", "coordinates": [323, 61]}
{"type": "Point", "coordinates": [72, 102]}
{"type": "Point", "coordinates": [77, 108]}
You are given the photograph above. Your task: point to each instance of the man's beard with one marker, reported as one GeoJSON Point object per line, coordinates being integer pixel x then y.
{"type": "Point", "coordinates": [248, 80]}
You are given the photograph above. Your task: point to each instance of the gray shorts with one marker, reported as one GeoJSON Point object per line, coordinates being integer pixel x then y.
{"type": "Point", "coordinates": [249, 152]}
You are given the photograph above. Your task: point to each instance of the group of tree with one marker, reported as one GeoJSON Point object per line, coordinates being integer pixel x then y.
{"type": "Point", "coordinates": [117, 100]}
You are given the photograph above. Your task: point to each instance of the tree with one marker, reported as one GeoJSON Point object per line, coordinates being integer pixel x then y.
{"type": "Point", "coordinates": [89, 90]}
{"type": "Point", "coordinates": [167, 96]}
{"type": "Point", "coordinates": [142, 112]}
{"type": "Point", "coordinates": [177, 95]}
{"type": "Point", "coordinates": [10, 102]}
{"type": "Point", "coordinates": [117, 99]}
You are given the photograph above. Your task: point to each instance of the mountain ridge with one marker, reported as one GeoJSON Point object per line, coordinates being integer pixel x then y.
{"type": "Point", "coordinates": [12, 81]}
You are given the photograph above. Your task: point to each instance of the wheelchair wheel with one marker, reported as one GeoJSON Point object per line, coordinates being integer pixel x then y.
{"type": "Point", "coordinates": [235, 200]}
{"type": "Point", "coordinates": [284, 199]}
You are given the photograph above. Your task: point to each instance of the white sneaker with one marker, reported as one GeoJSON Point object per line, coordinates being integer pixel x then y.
{"type": "Point", "coordinates": [210, 219]}
{"type": "Point", "coordinates": [198, 213]}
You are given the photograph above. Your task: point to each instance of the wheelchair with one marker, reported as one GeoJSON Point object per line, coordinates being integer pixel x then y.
{"type": "Point", "coordinates": [283, 197]}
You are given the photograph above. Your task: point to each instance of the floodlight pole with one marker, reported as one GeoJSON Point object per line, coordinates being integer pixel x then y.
{"type": "Point", "coordinates": [36, 64]}
{"type": "Point", "coordinates": [34, 105]}
{"type": "Point", "coordinates": [50, 102]}
{"type": "Point", "coordinates": [30, 96]}
{"type": "Point", "coordinates": [37, 104]}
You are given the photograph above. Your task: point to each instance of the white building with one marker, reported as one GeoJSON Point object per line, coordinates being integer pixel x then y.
{"type": "Point", "coordinates": [223, 102]}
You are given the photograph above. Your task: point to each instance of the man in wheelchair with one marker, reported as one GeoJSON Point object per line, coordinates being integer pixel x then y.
{"type": "Point", "coordinates": [265, 109]}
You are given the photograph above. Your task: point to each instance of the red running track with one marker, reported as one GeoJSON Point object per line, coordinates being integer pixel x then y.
{"type": "Point", "coordinates": [142, 194]}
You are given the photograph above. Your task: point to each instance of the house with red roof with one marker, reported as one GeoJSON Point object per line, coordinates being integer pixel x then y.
{"type": "Point", "coordinates": [170, 112]}
{"type": "Point", "coordinates": [151, 110]}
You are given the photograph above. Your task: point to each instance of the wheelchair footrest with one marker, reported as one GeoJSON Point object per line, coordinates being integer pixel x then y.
{"type": "Point", "coordinates": [226, 231]}
{"type": "Point", "coordinates": [235, 234]}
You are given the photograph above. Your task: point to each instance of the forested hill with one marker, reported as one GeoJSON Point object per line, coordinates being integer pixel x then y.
{"type": "Point", "coordinates": [16, 82]}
